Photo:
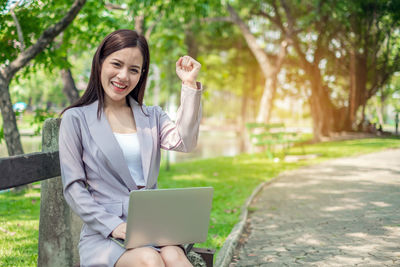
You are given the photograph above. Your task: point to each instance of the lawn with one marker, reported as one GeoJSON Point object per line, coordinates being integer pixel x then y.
{"type": "Point", "coordinates": [233, 179]}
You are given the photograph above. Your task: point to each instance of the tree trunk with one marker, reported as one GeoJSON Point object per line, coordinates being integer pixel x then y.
{"type": "Point", "coordinates": [11, 133]}
{"type": "Point", "coordinates": [191, 43]}
{"type": "Point", "coordinates": [361, 123]}
{"type": "Point", "coordinates": [322, 110]}
{"type": "Point", "coordinates": [157, 87]}
{"type": "Point", "coordinates": [269, 70]}
{"type": "Point", "coordinates": [69, 89]}
{"type": "Point", "coordinates": [358, 87]}
{"type": "Point", "coordinates": [264, 113]}
{"type": "Point", "coordinates": [380, 108]}
{"type": "Point", "coordinates": [139, 24]}
{"type": "Point", "coordinates": [242, 128]}
{"type": "Point", "coordinates": [156, 76]}
{"type": "Point", "coordinates": [352, 101]}
{"type": "Point", "coordinates": [379, 112]}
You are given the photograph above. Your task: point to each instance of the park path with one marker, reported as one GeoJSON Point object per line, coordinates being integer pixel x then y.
{"type": "Point", "coordinates": [345, 212]}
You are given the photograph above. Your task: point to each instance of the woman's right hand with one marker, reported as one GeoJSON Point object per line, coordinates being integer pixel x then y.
{"type": "Point", "coordinates": [119, 231]}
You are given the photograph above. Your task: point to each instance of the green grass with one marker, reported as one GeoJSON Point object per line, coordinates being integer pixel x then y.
{"type": "Point", "coordinates": [19, 221]}
{"type": "Point", "coordinates": [233, 179]}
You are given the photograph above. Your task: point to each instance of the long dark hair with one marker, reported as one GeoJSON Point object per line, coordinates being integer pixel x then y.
{"type": "Point", "coordinates": [113, 42]}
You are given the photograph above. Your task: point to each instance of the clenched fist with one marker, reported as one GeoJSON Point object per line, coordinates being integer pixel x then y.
{"type": "Point", "coordinates": [187, 70]}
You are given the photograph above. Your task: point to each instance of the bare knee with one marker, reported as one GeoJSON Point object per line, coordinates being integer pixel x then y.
{"type": "Point", "coordinates": [174, 256]}
{"type": "Point", "coordinates": [150, 258]}
{"type": "Point", "coordinates": [146, 257]}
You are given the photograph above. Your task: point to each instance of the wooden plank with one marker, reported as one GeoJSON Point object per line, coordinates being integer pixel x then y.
{"type": "Point", "coordinates": [28, 168]}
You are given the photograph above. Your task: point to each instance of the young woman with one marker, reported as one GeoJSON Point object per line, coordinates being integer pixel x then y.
{"type": "Point", "coordinates": [110, 144]}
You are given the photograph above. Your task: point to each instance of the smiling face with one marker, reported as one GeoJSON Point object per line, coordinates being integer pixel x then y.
{"type": "Point", "coordinates": [120, 73]}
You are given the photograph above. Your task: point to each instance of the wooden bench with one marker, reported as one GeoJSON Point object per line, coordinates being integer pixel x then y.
{"type": "Point", "coordinates": [270, 136]}
{"type": "Point", "coordinates": [59, 227]}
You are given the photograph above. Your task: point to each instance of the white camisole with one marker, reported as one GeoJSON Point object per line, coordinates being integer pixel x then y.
{"type": "Point", "coordinates": [130, 146]}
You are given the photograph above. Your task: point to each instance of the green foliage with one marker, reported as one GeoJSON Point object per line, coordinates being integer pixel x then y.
{"type": "Point", "coordinates": [34, 17]}
{"type": "Point", "coordinates": [40, 116]}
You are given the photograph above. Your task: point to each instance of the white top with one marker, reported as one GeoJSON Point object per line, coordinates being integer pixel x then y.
{"type": "Point", "coordinates": [130, 146]}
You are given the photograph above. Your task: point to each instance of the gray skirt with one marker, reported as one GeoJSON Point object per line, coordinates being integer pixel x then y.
{"type": "Point", "coordinates": [95, 250]}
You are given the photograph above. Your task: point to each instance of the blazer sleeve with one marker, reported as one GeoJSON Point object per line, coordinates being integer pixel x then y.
{"type": "Point", "coordinates": [182, 135]}
{"type": "Point", "coordinates": [74, 178]}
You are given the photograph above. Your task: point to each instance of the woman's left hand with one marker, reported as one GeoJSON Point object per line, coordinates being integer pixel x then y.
{"type": "Point", "coordinates": [187, 70]}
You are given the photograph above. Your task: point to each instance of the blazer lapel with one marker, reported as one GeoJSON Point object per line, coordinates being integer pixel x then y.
{"type": "Point", "coordinates": [103, 136]}
{"type": "Point", "coordinates": [145, 137]}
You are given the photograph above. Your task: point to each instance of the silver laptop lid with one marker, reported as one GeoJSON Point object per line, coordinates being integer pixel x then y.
{"type": "Point", "coordinates": [163, 217]}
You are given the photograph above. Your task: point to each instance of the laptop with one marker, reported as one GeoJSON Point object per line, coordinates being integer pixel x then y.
{"type": "Point", "coordinates": [161, 217]}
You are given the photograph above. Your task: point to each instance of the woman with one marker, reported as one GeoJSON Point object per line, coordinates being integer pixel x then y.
{"type": "Point", "coordinates": [110, 144]}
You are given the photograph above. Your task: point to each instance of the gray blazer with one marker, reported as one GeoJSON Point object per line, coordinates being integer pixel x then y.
{"type": "Point", "coordinates": [95, 176]}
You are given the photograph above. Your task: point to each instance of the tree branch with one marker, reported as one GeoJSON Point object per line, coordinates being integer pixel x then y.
{"type": "Point", "coordinates": [19, 29]}
{"type": "Point", "coordinates": [139, 27]}
{"type": "Point", "coordinates": [320, 40]}
{"type": "Point", "coordinates": [289, 16]}
{"type": "Point", "coordinates": [282, 53]}
{"type": "Point", "coordinates": [279, 18]}
{"type": "Point", "coordinates": [274, 20]}
{"type": "Point", "coordinates": [45, 39]}
{"type": "Point", "coordinates": [293, 36]}
{"type": "Point", "coordinates": [259, 53]}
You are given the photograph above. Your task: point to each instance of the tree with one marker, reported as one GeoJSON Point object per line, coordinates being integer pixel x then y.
{"type": "Point", "coordinates": [373, 47]}
{"type": "Point", "coordinates": [333, 38]}
{"type": "Point", "coordinates": [17, 61]}
{"type": "Point", "coordinates": [269, 64]}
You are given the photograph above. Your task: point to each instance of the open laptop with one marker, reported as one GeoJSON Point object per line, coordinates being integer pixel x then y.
{"type": "Point", "coordinates": [160, 217]}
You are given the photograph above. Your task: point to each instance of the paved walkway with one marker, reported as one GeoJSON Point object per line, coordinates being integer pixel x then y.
{"type": "Point", "coordinates": [344, 212]}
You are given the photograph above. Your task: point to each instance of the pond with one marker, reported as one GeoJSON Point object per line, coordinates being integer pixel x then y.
{"type": "Point", "coordinates": [211, 144]}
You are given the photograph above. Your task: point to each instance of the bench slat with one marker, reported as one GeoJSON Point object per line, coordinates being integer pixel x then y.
{"type": "Point", "coordinates": [28, 168]}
